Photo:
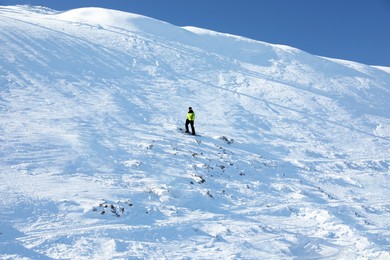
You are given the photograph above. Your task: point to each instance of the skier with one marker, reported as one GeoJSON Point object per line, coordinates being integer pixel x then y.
{"type": "Point", "coordinates": [190, 120]}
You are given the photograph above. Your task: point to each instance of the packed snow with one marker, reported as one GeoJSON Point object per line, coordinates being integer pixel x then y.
{"type": "Point", "coordinates": [291, 162]}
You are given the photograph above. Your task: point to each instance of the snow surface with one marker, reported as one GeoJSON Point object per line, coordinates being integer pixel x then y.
{"type": "Point", "coordinates": [292, 161]}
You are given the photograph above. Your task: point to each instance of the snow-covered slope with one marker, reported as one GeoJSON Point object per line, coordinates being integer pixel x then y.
{"type": "Point", "coordinates": [292, 160]}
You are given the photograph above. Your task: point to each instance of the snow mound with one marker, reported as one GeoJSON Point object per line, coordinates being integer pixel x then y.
{"type": "Point", "coordinates": [107, 17]}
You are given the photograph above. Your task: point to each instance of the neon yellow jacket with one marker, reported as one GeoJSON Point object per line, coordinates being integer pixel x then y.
{"type": "Point", "coordinates": [191, 116]}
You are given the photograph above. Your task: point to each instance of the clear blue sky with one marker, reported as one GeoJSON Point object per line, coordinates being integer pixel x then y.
{"type": "Point", "coordinates": [357, 30]}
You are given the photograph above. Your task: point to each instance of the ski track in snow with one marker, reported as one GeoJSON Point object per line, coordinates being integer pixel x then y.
{"type": "Point", "coordinates": [292, 161]}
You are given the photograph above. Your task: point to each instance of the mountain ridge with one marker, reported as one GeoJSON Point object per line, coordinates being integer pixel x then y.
{"type": "Point", "coordinates": [292, 160]}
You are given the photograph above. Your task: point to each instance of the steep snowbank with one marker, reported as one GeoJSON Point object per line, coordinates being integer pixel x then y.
{"type": "Point", "coordinates": [292, 161]}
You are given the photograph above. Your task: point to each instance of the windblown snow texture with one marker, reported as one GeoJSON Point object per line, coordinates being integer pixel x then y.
{"type": "Point", "coordinates": [292, 161]}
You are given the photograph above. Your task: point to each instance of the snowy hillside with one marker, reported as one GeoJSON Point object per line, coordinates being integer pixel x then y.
{"type": "Point", "coordinates": [292, 161]}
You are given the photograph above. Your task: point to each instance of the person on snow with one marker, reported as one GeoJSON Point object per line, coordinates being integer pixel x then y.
{"type": "Point", "coordinates": [190, 120]}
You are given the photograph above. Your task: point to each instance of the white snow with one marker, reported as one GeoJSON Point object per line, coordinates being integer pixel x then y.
{"type": "Point", "coordinates": [386, 69]}
{"type": "Point", "coordinates": [292, 161]}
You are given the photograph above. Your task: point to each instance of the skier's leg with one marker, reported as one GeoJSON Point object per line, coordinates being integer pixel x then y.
{"type": "Point", "coordinates": [193, 127]}
{"type": "Point", "coordinates": [187, 123]}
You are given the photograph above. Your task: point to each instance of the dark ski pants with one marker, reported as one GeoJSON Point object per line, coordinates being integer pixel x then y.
{"type": "Point", "coordinates": [190, 122]}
